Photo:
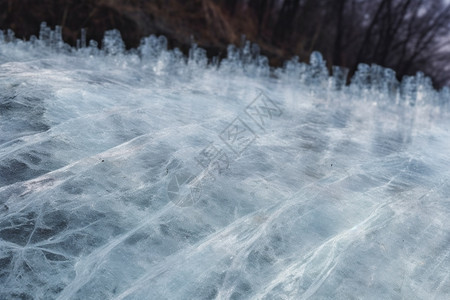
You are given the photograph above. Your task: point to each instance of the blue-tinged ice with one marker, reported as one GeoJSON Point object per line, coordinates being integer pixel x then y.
{"type": "Point", "coordinates": [145, 174]}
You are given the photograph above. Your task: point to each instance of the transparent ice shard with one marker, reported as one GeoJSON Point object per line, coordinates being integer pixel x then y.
{"type": "Point", "coordinates": [197, 57]}
{"type": "Point", "coordinates": [317, 72]}
{"type": "Point", "coordinates": [247, 59]}
{"type": "Point", "coordinates": [339, 78]}
{"type": "Point", "coordinates": [112, 42]}
{"type": "Point", "coordinates": [152, 47]}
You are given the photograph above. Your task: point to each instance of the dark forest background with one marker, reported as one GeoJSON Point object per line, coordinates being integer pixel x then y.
{"type": "Point", "coordinates": [405, 35]}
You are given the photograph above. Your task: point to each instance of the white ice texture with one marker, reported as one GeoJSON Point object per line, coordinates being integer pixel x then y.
{"type": "Point", "coordinates": [330, 192]}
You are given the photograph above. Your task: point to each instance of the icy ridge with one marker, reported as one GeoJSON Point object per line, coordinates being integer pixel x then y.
{"type": "Point", "coordinates": [369, 82]}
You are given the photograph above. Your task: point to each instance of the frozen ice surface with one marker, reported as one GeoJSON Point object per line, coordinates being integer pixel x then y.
{"type": "Point", "coordinates": [147, 175]}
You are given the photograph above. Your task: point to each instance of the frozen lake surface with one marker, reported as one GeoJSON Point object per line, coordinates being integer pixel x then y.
{"type": "Point", "coordinates": [147, 175]}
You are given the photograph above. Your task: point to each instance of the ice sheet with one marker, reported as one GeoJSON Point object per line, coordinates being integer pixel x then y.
{"type": "Point", "coordinates": [147, 175]}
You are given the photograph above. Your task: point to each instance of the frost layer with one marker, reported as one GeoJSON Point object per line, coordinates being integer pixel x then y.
{"type": "Point", "coordinates": [322, 190]}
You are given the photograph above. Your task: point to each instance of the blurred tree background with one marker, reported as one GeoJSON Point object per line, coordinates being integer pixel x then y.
{"type": "Point", "coordinates": [405, 35]}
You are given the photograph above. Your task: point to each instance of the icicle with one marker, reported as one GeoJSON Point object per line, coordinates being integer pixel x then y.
{"type": "Point", "coordinates": [292, 70]}
{"type": "Point", "coordinates": [318, 65]}
{"type": "Point", "coordinates": [10, 36]}
{"type": "Point", "coordinates": [197, 57]}
{"type": "Point", "coordinates": [58, 37]}
{"type": "Point", "coordinates": [376, 78]}
{"type": "Point", "coordinates": [44, 34]}
{"type": "Point", "coordinates": [154, 54]}
{"type": "Point", "coordinates": [246, 59]}
{"type": "Point", "coordinates": [316, 77]}
{"type": "Point", "coordinates": [425, 90]}
{"type": "Point", "coordinates": [83, 38]}
{"type": "Point", "coordinates": [33, 40]}
{"type": "Point", "coordinates": [339, 78]}
{"type": "Point", "coordinates": [215, 62]}
{"type": "Point", "coordinates": [93, 48]}
{"type": "Point", "coordinates": [389, 86]}
{"type": "Point", "coordinates": [408, 90]}
{"type": "Point", "coordinates": [360, 83]}
{"type": "Point", "coordinates": [112, 43]}
{"type": "Point", "coordinates": [151, 47]}
{"type": "Point", "coordinates": [361, 79]}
